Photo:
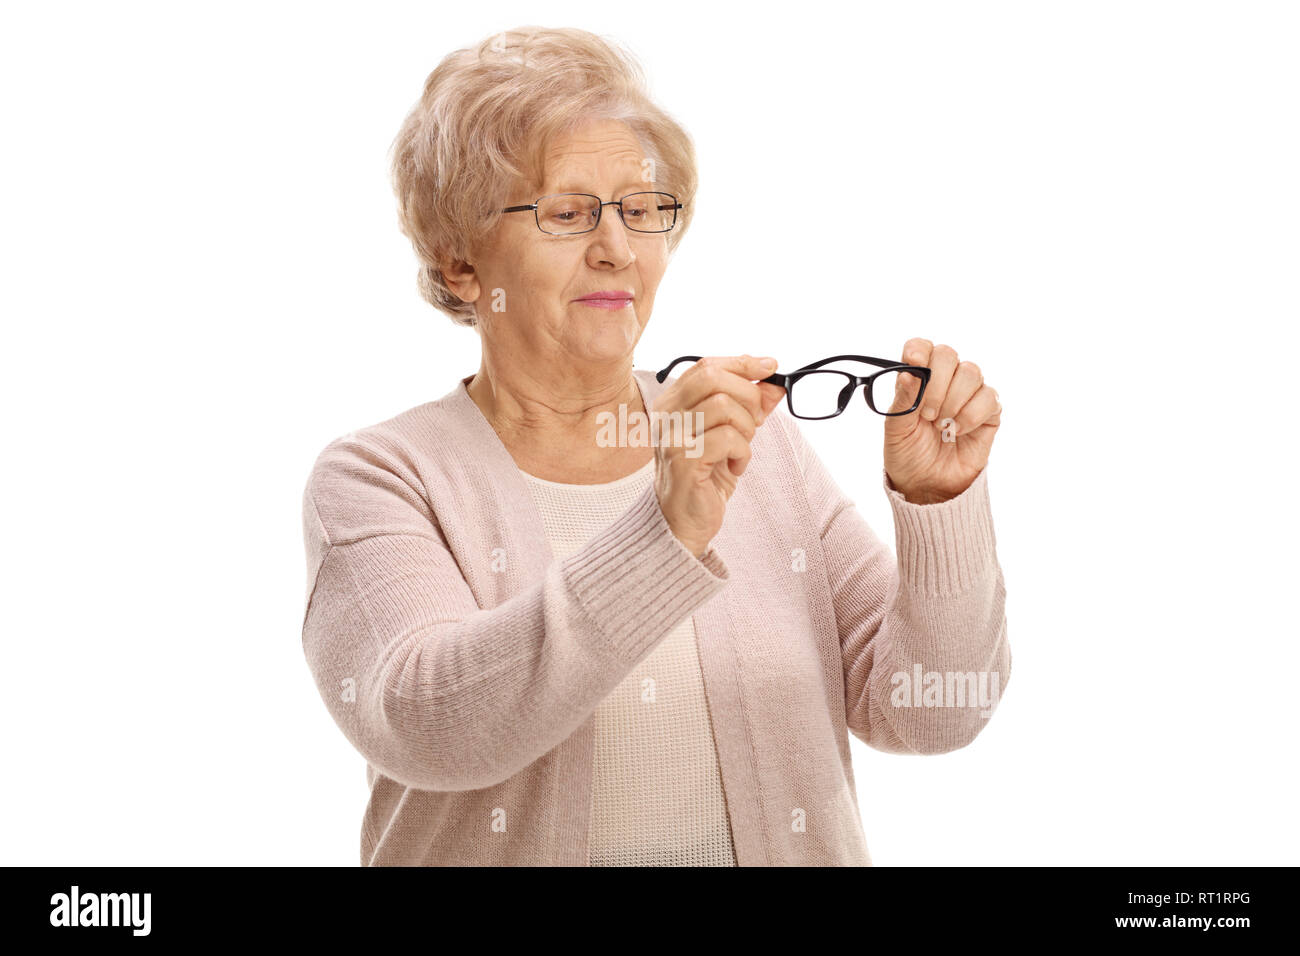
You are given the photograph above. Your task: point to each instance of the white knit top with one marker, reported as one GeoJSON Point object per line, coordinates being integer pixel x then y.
{"type": "Point", "coordinates": [657, 796]}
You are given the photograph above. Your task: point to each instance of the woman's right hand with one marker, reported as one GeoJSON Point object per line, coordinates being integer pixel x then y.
{"type": "Point", "coordinates": [695, 479]}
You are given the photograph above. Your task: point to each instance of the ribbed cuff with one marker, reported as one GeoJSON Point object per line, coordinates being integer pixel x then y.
{"type": "Point", "coordinates": [947, 547]}
{"type": "Point", "coordinates": [637, 581]}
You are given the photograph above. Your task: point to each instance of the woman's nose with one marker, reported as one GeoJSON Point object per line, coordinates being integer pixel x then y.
{"type": "Point", "coordinates": [610, 235]}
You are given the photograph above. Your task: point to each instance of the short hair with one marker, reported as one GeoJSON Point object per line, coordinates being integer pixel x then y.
{"type": "Point", "coordinates": [485, 120]}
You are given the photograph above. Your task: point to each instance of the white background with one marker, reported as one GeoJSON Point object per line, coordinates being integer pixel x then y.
{"type": "Point", "coordinates": [204, 283]}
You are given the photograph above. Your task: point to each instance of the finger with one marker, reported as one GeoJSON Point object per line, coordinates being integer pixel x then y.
{"type": "Point", "coordinates": [681, 434]}
{"type": "Point", "coordinates": [751, 367]}
{"type": "Point", "coordinates": [917, 352]}
{"type": "Point", "coordinates": [942, 365]}
{"type": "Point", "coordinates": [722, 409]}
{"type": "Point", "coordinates": [771, 397]}
{"type": "Point", "coordinates": [739, 458]}
{"type": "Point", "coordinates": [981, 437]}
{"type": "Point", "coordinates": [979, 410]}
{"type": "Point", "coordinates": [734, 375]}
{"type": "Point", "coordinates": [724, 443]}
{"type": "Point", "coordinates": [966, 381]}
{"type": "Point", "coordinates": [906, 386]}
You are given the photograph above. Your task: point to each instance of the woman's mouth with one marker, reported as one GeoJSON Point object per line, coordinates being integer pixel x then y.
{"type": "Point", "coordinates": [606, 300]}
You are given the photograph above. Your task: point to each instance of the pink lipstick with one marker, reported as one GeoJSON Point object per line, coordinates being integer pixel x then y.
{"type": "Point", "coordinates": [613, 299]}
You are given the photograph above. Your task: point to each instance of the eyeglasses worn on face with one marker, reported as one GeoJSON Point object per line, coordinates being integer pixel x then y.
{"type": "Point", "coordinates": [814, 393]}
{"type": "Point", "coordinates": [572, 214]}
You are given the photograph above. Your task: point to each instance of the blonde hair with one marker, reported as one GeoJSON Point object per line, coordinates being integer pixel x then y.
{"type": "Point", "coordinates": [485, 120]}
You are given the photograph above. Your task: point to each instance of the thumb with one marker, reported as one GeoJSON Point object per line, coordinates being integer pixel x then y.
{"type": "Point", "coordinates": [769, 396]}
{"type": "Point", "coordinates": [906, 387]}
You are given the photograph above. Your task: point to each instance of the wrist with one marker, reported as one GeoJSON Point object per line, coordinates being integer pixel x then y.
{"type": "Point", "coordinates": [917, 496]}
{"type": "Point", "coordinates": [923, 497]}
{"type": "Point", "coordinates": [695, 548]}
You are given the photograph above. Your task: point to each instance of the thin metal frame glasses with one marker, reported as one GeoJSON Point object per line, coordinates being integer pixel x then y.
{"type": "Point", "coordinates": [669, 201]}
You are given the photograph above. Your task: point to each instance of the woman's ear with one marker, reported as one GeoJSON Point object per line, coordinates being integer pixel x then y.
{"type": "Point", "coordinates": [460, 278]}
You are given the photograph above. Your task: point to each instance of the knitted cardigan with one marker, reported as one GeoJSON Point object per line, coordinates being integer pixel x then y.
{"type": "Point", "coordinates": [465, 664]}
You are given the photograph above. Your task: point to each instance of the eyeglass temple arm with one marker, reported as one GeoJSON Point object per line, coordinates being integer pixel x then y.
{"type": "Point", "coordinates": [663, 373]}
{"type": "Point", "coordinates": [774, 379]}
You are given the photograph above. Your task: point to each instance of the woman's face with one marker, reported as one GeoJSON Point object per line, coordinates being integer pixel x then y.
{"type": "Point", "coordinates": [536, 280]}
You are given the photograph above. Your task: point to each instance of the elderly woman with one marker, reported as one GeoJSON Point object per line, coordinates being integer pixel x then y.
{"type": "Point", "coordinates": [556, 649]}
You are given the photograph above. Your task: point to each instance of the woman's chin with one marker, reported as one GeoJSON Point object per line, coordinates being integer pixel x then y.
{"type": "Point", "coordinates": [611, 336]}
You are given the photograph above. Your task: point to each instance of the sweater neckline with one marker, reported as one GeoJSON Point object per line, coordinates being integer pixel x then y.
{"type": "Point", "coordinates": [645, 381]}
{"type": "Point", "coordinates": [634, 477]}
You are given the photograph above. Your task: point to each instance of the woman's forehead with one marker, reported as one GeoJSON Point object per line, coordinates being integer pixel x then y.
{"type": "Point", "coordinates": [575, 161]}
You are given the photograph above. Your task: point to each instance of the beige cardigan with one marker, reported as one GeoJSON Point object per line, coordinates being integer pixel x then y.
{"type": "Point", "coordinates": [465, 664]}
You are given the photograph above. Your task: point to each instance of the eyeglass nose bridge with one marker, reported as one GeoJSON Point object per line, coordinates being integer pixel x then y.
{"type": "Point", "coordinates": [846, 393]}
{"type": "Point", "coordinates": [600, 212]}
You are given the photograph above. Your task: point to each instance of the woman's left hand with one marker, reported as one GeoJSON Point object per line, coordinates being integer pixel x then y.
{"type": "Point", "coordinates": [922, 465]}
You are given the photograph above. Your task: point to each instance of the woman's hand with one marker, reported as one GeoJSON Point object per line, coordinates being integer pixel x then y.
{"type": "Point", "coordinates": [695, 478]}
{"type": "Point", "coordinates": [921, 464]}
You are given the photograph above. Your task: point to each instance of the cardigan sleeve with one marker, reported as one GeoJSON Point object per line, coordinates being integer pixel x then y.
{"type": "Point", "coordinates": [441, 694]}
{"type": "Point", "coordinates": [923, 637]}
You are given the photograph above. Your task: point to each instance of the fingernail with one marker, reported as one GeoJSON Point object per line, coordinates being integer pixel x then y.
{"type": "Point", "coordinates": [929, 414]}
{"type": "Point", "coordinates": [769, 364]}
{"type": "Point", "coordinates": [949, 433]}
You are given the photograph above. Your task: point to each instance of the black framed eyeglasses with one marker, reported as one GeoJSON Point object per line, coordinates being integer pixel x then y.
{"type": "Point", "coordinates": [572, 214]}
{"type": "Point", "coordinates": [813, 392]}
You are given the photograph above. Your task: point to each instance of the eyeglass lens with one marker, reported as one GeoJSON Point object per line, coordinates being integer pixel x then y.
{"type": "Point", "coordinates": [826, 392]}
